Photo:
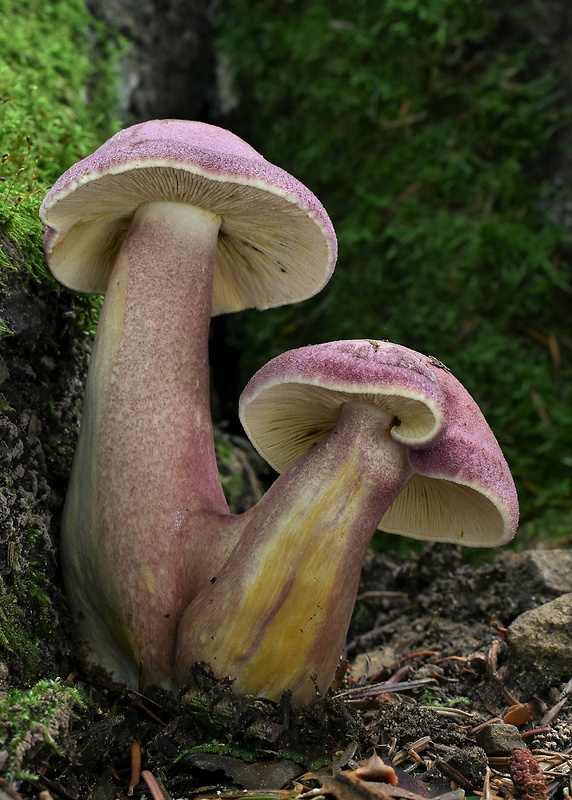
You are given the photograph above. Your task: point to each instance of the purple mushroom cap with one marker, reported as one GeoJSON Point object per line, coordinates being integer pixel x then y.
{"type": "Point", "coordinates": [276, 242]}
{"type": "Point", "coordinates": [461, 491]}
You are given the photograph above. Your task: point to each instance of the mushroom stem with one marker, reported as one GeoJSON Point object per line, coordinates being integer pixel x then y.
{"type": "Point", "coordinates": [277, 614]}
{"type": "Point", "coordinates": [145, 462]}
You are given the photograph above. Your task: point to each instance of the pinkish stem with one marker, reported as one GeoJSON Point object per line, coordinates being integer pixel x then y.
{"type": "Point", "coordinates": [277, 614]}
{"type": "Point", "coordinates": [145, 463]}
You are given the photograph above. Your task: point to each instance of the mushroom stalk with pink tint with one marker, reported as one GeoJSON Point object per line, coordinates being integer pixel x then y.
{"type": "Point", "coordinates": [175, 221]}
{"type": "Point", "coordinates": [366, 434]}
{"type": "Point", "coordinates": [146, 445]}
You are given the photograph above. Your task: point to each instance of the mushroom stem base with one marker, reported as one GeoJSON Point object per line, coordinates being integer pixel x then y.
{"type": "Point", "coordinates": [277, 615]}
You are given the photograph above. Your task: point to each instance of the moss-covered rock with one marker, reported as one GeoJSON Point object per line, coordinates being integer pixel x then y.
{"type": "Point", "coordinates": [56, 104]}
{"type": "Point", "coordinates": [35, 721]}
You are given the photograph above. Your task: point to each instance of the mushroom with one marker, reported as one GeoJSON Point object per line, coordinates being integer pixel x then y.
{"type": "Point", "coordinates": [366, 434]}
{"type": "Point", "coordinates": [175, 221]}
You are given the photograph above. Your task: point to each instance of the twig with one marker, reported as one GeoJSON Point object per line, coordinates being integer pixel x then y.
{"type": "Point", "coordinates": [379, 596]}
{"type": "Point", "coordinates": [138, 704]}
{"type": "Point", "coordinates": [362, 692]}
{"type": "Point", "coordinates": [486, 795]}
{"type": "Point", "coordinates": [556, 709]}
{"type": "Point", "coordinates": [157, 791]}
{"type": "Point", "coordinates": [135, 767]}
{"type": "Point", "coordinates": [8, 790]}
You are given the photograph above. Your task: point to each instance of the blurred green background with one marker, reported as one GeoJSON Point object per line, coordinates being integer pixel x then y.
{"type": "Point", "coordinates": [425, 128]}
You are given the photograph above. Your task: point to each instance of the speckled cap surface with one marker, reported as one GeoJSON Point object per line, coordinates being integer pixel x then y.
{"type": "Point", "coordinates": [276, 242]}
{"type": "Point", "coordinates": [462, 490]}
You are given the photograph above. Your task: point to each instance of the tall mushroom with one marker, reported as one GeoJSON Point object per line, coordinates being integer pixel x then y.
{"type": "Point", "coordinates": [366, 434]}
{"type": "Point", "coordinates": [174, 221]}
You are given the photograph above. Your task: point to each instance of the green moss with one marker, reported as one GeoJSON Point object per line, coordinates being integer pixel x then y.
{"type": "Point", "coordinates": [34, 720]}
{"type": "Point", "coordinates": [240, 470]}
{"type": "Point", "coordinates": [231, 470]}
{"type": "Point", "coordinates": [252, 756]}
{"type": "Point", "coordinates": [26, 615]}
{"type": "Point", "coordinates": [423, 128]}
{"type": "Point", "coordinates": [57, 103]}
{"type": "Point", "coordinates": [432, 700]}
{"type": "Point", "coordinates": [221, 749]}
{"type": "Point", "coordinates": [16, 637]}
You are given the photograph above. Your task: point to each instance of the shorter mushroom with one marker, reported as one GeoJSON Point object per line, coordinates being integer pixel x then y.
{"type": "Point", "coordinates": [367, 434]}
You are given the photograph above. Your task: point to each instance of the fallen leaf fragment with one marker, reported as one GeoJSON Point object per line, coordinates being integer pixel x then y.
{"type": "Point", "coordinates": [519, 714]}
{"type": "Point", "coordinates": [343, 787]}
{"type": "Point", "coordinates": [260, 775]}
{"type": "Point", "coordinates": [374, 769]}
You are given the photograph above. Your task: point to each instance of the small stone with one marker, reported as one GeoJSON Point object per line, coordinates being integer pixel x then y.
{"type": "Point", "coordinates": [373, 662]}
{"type": "Point", "coordinates": [542, 571]}
{"type": "Point", "coordinates": [540, 646]}
{"type": "Point", "coordinates": [499, 739]}
{"type": "Point", "coordinates": [471, 763]}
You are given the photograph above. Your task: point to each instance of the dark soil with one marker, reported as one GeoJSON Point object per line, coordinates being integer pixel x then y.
{"type": "Point", "coordinates": [428, 669]}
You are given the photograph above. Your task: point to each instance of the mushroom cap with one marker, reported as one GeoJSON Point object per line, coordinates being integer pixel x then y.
{"type": "Point", "coordinates": [296, 398]}
{"type": "Point", "coordinates": [461, 491]}
{"type": "Point", "coordinates": [463, 488]}
{"type": "Point", "coordinates": [276, 242]}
